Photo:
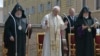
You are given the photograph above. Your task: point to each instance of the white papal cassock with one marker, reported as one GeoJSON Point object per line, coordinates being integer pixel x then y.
{"type": "Point", "coordinates": [52, 39]}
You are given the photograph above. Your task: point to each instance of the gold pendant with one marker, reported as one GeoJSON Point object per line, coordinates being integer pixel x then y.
{"type": "Point", "coordinates": [89, 29]}
{"type": "Point", "coordinates": [20, 27]}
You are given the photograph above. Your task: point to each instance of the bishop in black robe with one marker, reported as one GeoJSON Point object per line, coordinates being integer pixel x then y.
{"type": "Point", "coordinates": [9, 30]}
{"type": "Point", "coordinates": [85, 37]}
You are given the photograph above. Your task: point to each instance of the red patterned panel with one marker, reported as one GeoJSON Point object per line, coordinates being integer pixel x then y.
{"type": "Point", "coordinates": [72, 39]}
{"type": "Point", "coordinates": [97, 39]}
{"type": "Point", "coordinates": [41, 38]}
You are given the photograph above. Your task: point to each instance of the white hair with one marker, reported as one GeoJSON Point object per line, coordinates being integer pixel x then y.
{"type": "Point", "coordinates": [56, 7]}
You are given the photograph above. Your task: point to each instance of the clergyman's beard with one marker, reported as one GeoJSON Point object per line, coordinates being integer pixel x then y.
{"type": "Point", "coordinates": [86, 17]}
{"type": "Point", "coordinates": [18, 16]}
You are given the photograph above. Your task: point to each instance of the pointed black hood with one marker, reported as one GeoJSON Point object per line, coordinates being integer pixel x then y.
{"type": "Point", "coordinates": [84, 9]}
{"type": "Point", "coordinates": [16, 8]}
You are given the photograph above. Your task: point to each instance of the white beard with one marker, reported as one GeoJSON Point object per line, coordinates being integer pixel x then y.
{"type": "Point", "coordinates": [86, 17]}
{"type": "Point", "coordinates": [19, 16]}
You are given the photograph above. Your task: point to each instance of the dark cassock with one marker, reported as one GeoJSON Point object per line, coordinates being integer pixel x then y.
{"type": "Point", "coordinates": [85, 31]}
{"type": "Point", "coordinates": [20, 31]}
{"type": "Point", "coordinates": [72, 20]}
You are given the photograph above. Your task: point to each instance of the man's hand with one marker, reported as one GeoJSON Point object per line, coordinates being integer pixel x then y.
{"type": "Point", "coordinates": [12, 39]}
{"type": "Point", "coordinates": [84, 27]}
{"type": "Point", "coordinates": [72, 28]}
{"type": "Point", "coordinates": [66, 23]}
{"type": "Point", "coordinates": [29, 26]}
{"type": "Point", "coordinates": [95, 26]}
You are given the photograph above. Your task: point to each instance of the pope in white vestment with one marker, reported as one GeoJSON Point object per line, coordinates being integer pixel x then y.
{"type": "Point", "coordinates": [53, 24]}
